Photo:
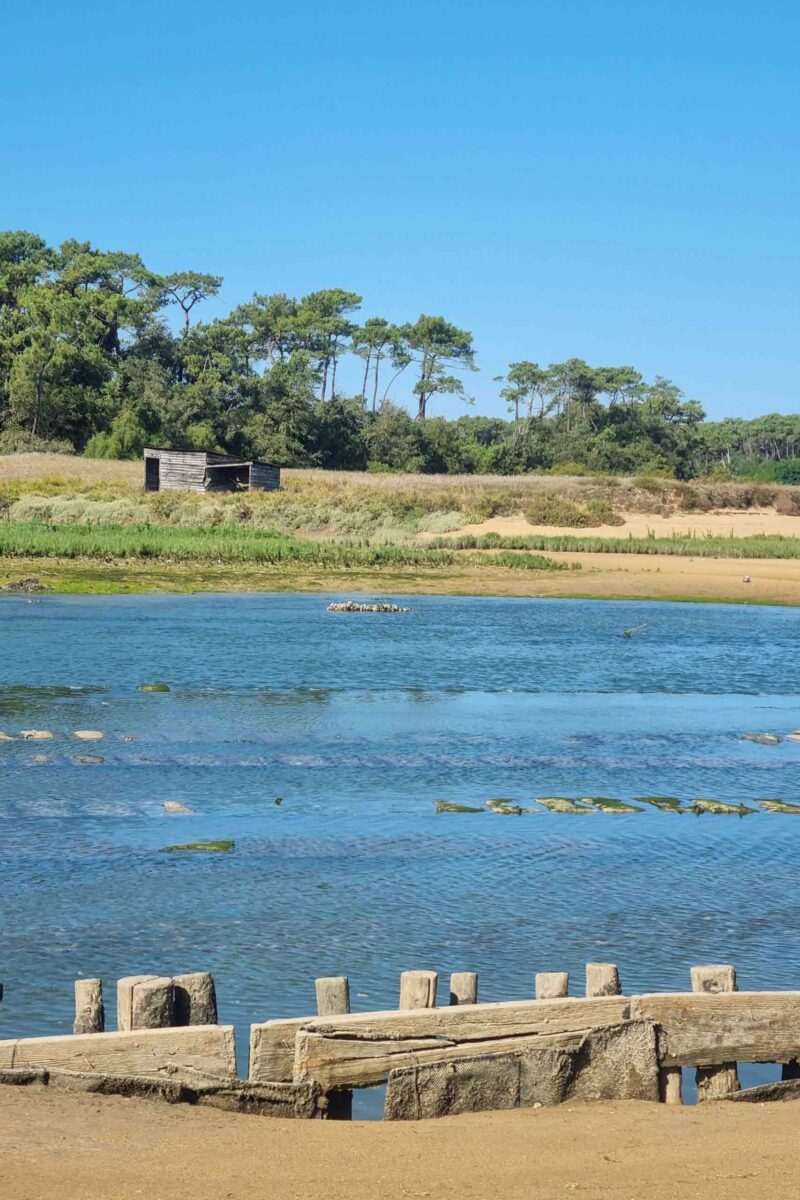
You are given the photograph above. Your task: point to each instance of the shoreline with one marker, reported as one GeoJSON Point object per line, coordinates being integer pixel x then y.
{"type": "Point", "coordinates": [601, 577]}
{"type": "Point", "coordinates": [75, 1145]}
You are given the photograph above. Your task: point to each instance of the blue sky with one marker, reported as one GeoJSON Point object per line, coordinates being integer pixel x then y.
{"type": "Point", "coordinates": [615, 181]}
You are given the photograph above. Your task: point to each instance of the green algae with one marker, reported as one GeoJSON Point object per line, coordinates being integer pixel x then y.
{"type": "Point", "coordinates": [720, 808]}
{"type": "Point", "coordinates": [779, 806]}
{"type": "Point", "coordinates": [153, 687]}
{"type": "Point", "coordinates": [450, 806]}
{"type": "Point", "coordinates": [606, 804]}
{"type": "Point", "coordinates": [562, 804]}
{"type": "Point", "coordinates": [663, 803]}
{"type": "Point", "coordinates": [507, 808]}
{"type": "Point", "coordinates": [218, 847]}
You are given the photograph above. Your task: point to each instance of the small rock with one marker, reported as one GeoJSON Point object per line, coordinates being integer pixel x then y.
{"type": "Point", "coordinates": [25, 585]}
{"type": "Point", "coordinates": [745, 579]}
{"type": "Point", "coordinates": [175, 806]}
{"type": "Point", "coordinates": [41, 758]}
{"type": "Point", "coordinates": [358, 606]}
{"type": "Point", "coordinates": [761, 739]}
{"type": "Point", "coordinates": [6, 737]}
{"type": "Point", "coordinates": [89, 735]}
{"type": "Point", "coordinates": [89, 758]}
{"type": "Point", "coordinates": [154, 687]}
{"type": "Point", "coordinates": [35, 735]}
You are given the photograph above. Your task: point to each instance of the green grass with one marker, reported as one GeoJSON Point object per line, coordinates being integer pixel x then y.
{"type": "Point", "coordinates": [711, 546]}
{"type": "Point", "coordinates": [33, 539]}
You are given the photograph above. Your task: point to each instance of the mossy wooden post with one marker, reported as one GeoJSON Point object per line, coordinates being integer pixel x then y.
{"type": "Point", "coordinates": [551, 985]}
{"type": "Point", "coordinates": [418, 989]}
{"type": "Point", "coordinates": [715, 1081]}
{"type": "Point", "coordinates": [602, 979]}
{"type": "Point", "coordinates": [464, 987]}
{"type": "Point", "coordinates": [333, 999]}
{"type": "Point", "coordinates": [90, 1015]}
{"type": "Point", "coordinates": [195, 999]}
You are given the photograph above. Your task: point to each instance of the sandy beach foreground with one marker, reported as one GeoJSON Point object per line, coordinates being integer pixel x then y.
{"type": "Point", "coordinates": [73, 1146]}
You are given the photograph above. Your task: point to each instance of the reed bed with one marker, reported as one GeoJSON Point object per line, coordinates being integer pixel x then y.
{"type": "Point", "coordinates": [706, 546]}
{"type": "Point", "coordinates": [22, 539]}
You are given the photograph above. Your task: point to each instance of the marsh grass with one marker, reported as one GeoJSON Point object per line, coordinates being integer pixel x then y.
{"type": "Point", "coordinates": [30, 539]}
{"type": "Point", "coordinates": [684, 545]}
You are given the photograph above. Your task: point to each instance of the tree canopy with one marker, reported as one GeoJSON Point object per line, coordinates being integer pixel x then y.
{"type": "Point", "coordinates": [90, 362]}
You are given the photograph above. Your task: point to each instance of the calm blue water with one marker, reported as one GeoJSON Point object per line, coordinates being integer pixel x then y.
{"type": "Point", "coordinates": [359, 723]}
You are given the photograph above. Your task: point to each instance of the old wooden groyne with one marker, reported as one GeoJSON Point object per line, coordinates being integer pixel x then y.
{"type": "Point", "coordinates": [462, 1056]}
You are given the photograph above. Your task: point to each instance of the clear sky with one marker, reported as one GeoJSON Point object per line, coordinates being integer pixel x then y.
{"type": "Point", "coordinates": [614, 181]}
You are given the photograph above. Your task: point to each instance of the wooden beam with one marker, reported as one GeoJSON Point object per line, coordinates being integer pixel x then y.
{"type": "Point", "coordinates": [708, 1030]}
{"type": "Point", "coordinates": [181, 1055]}
{"type": "Point", "coordinates": [272, 1050]}
{"type": "Point", "coordinates": [90, 1014]}
{"type": "Point", "coordinates": [333, 995]}
{"type": "Point", "coordinates": [551, 985]}
{"type": "Point", "coordinates": [602, 979]}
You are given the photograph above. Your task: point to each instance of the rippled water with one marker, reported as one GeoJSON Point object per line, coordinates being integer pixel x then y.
{"type": "Point", "coordinates": [358, 723]}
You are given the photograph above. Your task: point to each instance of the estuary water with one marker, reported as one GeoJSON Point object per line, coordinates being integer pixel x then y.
{"type": "Point", "coordinates": [357, 724]}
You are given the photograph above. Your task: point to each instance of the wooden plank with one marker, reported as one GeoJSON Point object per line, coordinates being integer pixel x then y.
{"type": "Point", "coordinates": [707, 1030]}
{"type": "Point", "coordinates": [361, 1049]}
{"type": "Point", "coordinates": [180, 1054]}
{"type": "Point", "coordinates": [349, 1062]}
{"type": "Point", "coordinates": [479, 1021]}
{"type": "Point", "coordinates": [125, 988]}
{"type": "Point", "coordinates": [272, 1047]}
{"type": "Point", "coordinates": [195, 999]}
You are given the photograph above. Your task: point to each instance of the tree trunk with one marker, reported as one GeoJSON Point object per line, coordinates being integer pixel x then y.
{"type": "Point", "coordinates": [366, 374]}
{"type": "Point", "coordinates": [375, 387]}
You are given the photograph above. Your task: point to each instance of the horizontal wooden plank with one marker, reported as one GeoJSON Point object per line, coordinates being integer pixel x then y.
{"type": "Point", "coordinates": [349, 1062]}
{"type": "Point", "coordinates": [707, 1030]}
{"type": "Point", "coordinates": [360, 1049]}
{"type": "Point", "coordinates": [479, 1021]}
{"type": "Point", "coordinates": [183, 1055]}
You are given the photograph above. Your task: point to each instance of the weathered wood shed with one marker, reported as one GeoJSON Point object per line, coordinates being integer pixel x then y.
{"type": "Point", "coordinates": [207, 471]}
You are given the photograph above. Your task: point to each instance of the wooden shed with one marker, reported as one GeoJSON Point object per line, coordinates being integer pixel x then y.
{"type": "Point", "coordinates": [207, 471]}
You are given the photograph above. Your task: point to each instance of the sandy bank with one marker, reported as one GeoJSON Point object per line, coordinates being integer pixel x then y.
{"type": "Point", "coordinates": [602, 577]}
{"type": "Point", "coordinates": [74, 1146]}
{"type": "Point", "coordinates": [726, 523]}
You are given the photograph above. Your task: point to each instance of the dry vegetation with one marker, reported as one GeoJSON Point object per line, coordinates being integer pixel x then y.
{"type": "Point", "coordinates": [62, 489]}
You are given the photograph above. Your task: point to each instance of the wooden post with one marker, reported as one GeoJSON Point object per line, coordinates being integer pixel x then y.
{"type": "Point", "coordinates": [551, 985]}
{"type": "Point", "coordinates": [670, 1085]}
{"type": "Point", "coordinates": [715, 1081]}
{"type": "Point", "coordinates": [418, 989]}
{"type": "Point", "coordinates": [333, 995]}
{"type": "Point", "coordinates": [125, 988]}
{"type": "Point", "coordinates": [602, 979]}
{"type": "Point", "coordinates": [464, 987]}
{"type": "Point", "coordinates": [153, 1004]}
{"type": "Point", "coordinates": [195, 999]}
{"type": "Point", "coordinates": [90, 1015]}
{"type": "Point", "coordinates": [333, 999]}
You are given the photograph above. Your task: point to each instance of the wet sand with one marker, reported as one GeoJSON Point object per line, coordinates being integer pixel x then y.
{"type": "Point", "coordinates": [74, 1146]}
{"type": "Point", "coordinates": [727, 522]}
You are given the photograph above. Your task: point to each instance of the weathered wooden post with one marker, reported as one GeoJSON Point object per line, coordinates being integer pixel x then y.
{"type": "Point", "coordinates": [715, 1081]}
{"type": "Point", "coordinates": [464, 987]}
{"type": "Point", "coordinates": [153, 1004]}
{"type": "Point", "coordinates": [418, 989]}
{"type": "Point", "coordinates": [90, 1014]}
{"type": "Point", "coordinates": [145, 1002]}
{"type": "Point", "coordinates": [333, 999]}
{"type": "Point", "coordinates": [125, 988]}
{"type": "Point", "coordinates": [333, 995]}
{"type": "Point", "coordinates": [602, 979]}
{"type": "Point", "coordinates": [670, 1085]}
{"type": "Point", "coordinates": [195, 999]}
{"type": "Point", "coordinates": [552, 985]}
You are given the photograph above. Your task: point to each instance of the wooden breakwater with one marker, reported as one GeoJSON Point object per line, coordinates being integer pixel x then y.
{"type": "Point", "coordinates": [462, 1056]}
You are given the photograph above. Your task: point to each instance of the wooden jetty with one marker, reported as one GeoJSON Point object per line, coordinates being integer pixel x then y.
{"type": "Point", "coordinates": [462, 1056]}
